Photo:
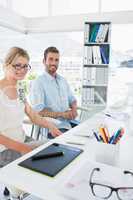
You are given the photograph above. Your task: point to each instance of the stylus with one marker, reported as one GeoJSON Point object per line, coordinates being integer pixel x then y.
{"type": "Point", "coordinates": [48, 155]}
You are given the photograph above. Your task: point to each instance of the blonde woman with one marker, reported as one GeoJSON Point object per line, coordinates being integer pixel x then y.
{"type": "Point", "coordinates": [12, 110]}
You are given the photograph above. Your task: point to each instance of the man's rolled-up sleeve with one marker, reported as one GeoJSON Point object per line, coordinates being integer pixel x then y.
{"type": "Point", "coordinates": [71, 96]}
{"type": "Point", "coordinates": [37, 96]}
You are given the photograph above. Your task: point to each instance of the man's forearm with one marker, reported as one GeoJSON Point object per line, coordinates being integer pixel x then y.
{"type": "Point", "coordinates": [47, 113]}
{"type": "Point", "coordinates": [74, 105]}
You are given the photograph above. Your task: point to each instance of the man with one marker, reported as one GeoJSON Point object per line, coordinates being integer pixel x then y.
{"type": "Point", "coordinates": [51, 94]}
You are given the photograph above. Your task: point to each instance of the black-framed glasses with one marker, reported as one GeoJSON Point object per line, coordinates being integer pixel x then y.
{"type": "Point", "coordinates": [105, 191]}
{"type": "Point", "coordinates": [19, 66]}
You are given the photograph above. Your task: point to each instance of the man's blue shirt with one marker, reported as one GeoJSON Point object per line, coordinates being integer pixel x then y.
{"type": "Point", "coordinates": [53, 94]}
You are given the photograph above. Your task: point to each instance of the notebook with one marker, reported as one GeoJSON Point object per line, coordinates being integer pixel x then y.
{"type": "Point", "coordinates": [51, 166]}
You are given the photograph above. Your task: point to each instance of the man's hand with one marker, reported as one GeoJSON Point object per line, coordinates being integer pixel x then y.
{"type": "Point", "coordinates": [75, 114]}
{"type": "Point", "coordinates": [70, 114]}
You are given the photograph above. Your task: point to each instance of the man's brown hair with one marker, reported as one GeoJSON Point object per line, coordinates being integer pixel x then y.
{"type": "Point", "coordinates": [50, 50]}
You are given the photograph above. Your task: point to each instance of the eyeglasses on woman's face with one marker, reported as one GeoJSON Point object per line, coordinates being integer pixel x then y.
{"type": "Point", "coordinates": [105, 191]}
{"type": "Point", "coordinates": [19, 66]}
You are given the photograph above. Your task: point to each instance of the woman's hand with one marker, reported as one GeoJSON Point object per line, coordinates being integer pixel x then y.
{"type": "Point", "coordinates": [41, 121]}
{"type": "Point", "coordinates": [54, 131]}
{"type": "Point", "coordinates": [25, 149]}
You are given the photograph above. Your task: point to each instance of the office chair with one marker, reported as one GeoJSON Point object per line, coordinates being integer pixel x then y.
{"type": "Point", "coordinates": [86, 112]}
{"type": "Point", "coordinates": [83, 113]}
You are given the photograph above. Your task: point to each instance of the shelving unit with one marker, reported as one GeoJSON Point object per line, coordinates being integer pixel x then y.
{"type": "Point", "coordinates": [96, 64]}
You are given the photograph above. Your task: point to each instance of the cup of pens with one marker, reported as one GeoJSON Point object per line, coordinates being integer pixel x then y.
{"type": "Point", "coordinates": [107, 147]}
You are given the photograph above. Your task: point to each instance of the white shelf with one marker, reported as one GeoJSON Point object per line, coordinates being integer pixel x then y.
{"type": "Point", "coordinates": [95, 85]}
{"type": "Point", "coordinates": [96, 64]}
{"type": "Point", "coordinates": [96, 43]}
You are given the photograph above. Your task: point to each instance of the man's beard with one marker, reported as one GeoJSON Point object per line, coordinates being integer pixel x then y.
{"type": "Point", "coordinates": [52, 68]}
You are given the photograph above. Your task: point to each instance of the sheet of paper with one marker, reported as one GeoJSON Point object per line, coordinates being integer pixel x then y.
{"type": "Point", "coordinates": [77, 186]}
{"type": "Point", "coordinates": [76, 140]}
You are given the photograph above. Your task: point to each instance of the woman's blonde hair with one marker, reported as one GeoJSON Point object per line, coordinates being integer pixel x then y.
{"type": "Point", "coordinates": [13, 54]}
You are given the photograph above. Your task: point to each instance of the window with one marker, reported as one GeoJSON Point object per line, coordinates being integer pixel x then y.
{"type": "Point", "coordinates": [68, 7]}
{"type": "Point", "coordinates": [70, 45]}
{"type": "Point", "coordinates": [121, 65]}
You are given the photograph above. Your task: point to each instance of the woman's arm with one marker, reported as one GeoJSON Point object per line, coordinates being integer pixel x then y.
{"type": "Point", "coordinates": [41, 121]}
{"type": "Point", "coordinates": [12, 144]}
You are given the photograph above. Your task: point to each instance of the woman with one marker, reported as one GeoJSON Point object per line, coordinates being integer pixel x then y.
{"type": "Point", "coordinates": [12, 110]}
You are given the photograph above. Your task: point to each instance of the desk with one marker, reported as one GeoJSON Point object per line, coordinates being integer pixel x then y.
{"type": "Point", "coordinates": [49, 188]}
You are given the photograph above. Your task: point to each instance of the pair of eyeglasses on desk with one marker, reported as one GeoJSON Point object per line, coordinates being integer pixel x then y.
{"type": "Point", "coordinates": [105, 191]}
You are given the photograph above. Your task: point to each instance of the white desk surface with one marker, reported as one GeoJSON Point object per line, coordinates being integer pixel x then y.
{"type": "Point", "coordinates": [49, 188]}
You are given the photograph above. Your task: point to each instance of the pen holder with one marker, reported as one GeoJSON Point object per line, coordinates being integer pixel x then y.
{"type": "Point", "coordinates": [107, 153]}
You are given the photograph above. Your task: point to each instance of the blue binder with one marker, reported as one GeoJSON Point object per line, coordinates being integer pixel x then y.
{"type": "Point", "coordinates": [104, 55]}
{"type": "Point", "coordinates": [51, 166]}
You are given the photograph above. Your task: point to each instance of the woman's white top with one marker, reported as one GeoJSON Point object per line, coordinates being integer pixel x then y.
{"type": "Point", "coordinates": [11, 117]}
